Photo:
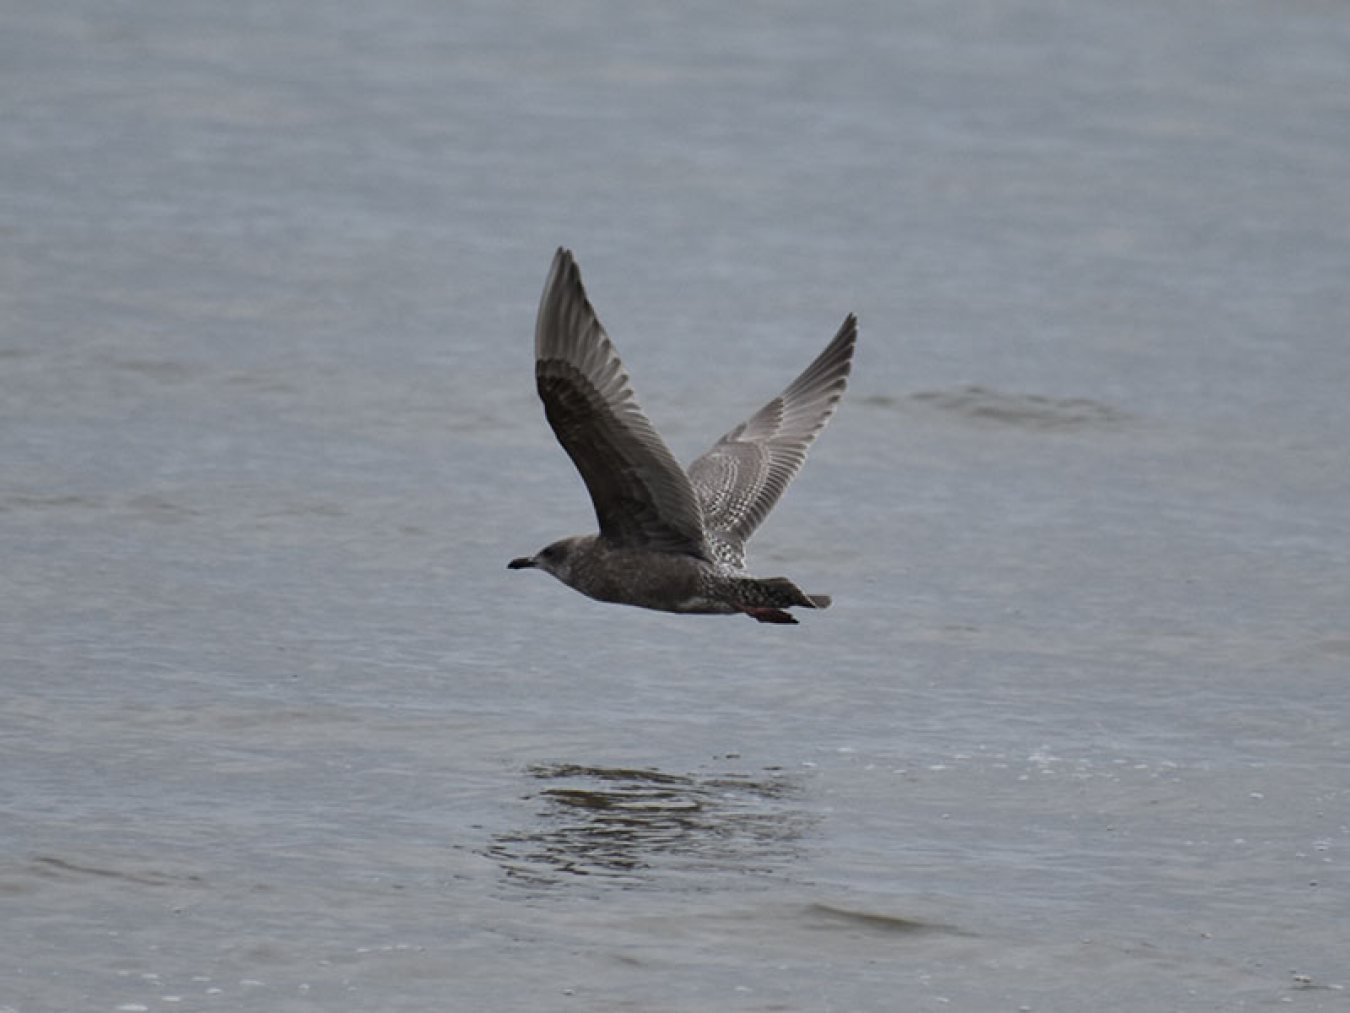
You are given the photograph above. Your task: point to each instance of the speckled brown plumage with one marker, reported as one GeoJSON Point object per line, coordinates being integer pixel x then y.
{"type": "Point", "coordinates": [668, 540]}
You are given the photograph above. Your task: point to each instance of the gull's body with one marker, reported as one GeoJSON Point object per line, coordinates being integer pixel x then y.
{"type": "Point", "coordinates": [669, 540]}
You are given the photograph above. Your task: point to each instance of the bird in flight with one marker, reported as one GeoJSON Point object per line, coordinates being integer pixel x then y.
{"type": "Point", "coordinates": [670, 539]}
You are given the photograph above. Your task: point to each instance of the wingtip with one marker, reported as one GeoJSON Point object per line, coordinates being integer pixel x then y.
{"type": "Point", "coordinates": [564, 308]}
{"type": "Point", "coordinates": [846, 341]}
{"type": "Point", "coordinates": [848, 330]}
{"type": "Point", "coordinates": [564, 264]}
{"type": "Point", "coordinates": [830, 370]}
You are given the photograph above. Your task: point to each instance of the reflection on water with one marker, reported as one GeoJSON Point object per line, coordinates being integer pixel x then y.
{"type": "Point", "coordinates": [627, 825]}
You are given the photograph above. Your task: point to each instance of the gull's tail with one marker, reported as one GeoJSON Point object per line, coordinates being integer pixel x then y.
{"type": "Point", "coordinates": [765, 598]}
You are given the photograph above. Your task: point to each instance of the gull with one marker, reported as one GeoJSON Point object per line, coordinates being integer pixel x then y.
{"type": "Point", "coordinates": [669, 539]}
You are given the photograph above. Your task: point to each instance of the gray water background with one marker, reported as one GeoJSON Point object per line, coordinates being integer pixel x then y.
{"type": "Point", "coordinates": [280, 732]}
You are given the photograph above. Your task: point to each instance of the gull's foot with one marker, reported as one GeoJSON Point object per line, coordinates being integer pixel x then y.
{"type": "Point", "coordinates": [761, 614]}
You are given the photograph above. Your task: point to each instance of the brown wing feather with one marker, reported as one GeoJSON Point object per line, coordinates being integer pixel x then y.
{"type": "Point", "coordinates": [640, 494]}
{"type": "Point", "coordinates": [744, 474]}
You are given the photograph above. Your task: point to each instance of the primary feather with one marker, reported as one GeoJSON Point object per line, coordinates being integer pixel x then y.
{"type": "Point", "coordinates": [744, 474]}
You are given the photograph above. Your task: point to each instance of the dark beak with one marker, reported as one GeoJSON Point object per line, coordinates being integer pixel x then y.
{"type": "Point", "coordinates": [521, 563]}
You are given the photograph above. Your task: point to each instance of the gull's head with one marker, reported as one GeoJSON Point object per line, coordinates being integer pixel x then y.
{"type": "Point", "coordinates": [556, 558]}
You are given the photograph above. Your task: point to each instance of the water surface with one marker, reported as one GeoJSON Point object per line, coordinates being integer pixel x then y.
{"type": "Point", "coordinates": [281, 732]}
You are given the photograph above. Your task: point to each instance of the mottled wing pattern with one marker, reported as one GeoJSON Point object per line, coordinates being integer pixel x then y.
{"type": "Point", "coordinates": [740, 479]}
{"type": "Point", "coordinates": [642, 498]}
